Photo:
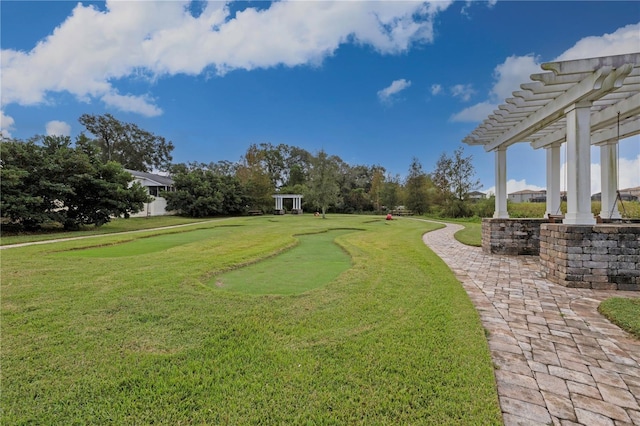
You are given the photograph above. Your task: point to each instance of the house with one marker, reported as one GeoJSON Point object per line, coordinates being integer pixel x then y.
{"type": "Point", "coordinates": [476, 195]}
{"type": "Point", "coordinates": [629, 194]}
{"type": "Point", "coordinates": [527, 195]}
{"type": "Point", "coordinates": [154, 184]}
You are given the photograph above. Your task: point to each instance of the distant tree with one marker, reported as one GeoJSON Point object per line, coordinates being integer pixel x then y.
{"type": "Point", "coordinates": [202, 192]}
{"type": "Point", "coordinates": [390, 194]}
{"type": "Point", "coordinates": [46, 179]}
{"type": "Point", "coordinates": [454, 179]}
{"type": "Point", "coordinates": [253, 174]}
{"type": "Point", "coordinates": [126, 143]}
{"type": "Point", "coordinates": [377, 182]}
{"type": "Point", "coordinates": [323, 186]}
{"type": "Point", "coordinates": [297, 166]}
{"type": "Point", "coordinates": [416, 187]}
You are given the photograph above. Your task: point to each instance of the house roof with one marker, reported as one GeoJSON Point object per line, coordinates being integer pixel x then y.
{"type": "Point", "coordinates": [529, 191]}
{"type": "Point", "coordinates": [153, 178]}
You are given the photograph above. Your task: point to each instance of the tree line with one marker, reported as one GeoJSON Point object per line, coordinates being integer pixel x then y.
{"type": "Point", "coordinates": [50, 179]}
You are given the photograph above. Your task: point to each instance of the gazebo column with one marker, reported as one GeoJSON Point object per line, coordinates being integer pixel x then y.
{"type": "Point", "coordinates": [609, 181]}
{"type": "Point", "coordinates": [501, 184]}
{"type": "Point", "coordinates": [553, 179]}
{"type": "Point", "coordinates": [579, 165]}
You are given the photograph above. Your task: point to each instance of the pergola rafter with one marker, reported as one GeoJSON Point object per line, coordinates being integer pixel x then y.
{"type": "Point", "coordinates": [583, 102]}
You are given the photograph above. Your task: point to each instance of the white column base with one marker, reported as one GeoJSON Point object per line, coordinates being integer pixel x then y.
{"type": "Point", "coordinates": [579, 219]}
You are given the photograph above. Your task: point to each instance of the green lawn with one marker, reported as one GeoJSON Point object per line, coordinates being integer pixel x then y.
{"type": "Point", "coordinates": [90, 336]}
{"type": "Point", "coordinates": [116, 225]}
{"type": "Point", "coordinates": [316, 260]}
{"type": "Point", "coordinates": [624, 312]}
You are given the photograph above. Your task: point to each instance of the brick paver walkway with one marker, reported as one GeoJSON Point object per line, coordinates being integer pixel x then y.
{"type": "Point", "coordinates": [557, 360]}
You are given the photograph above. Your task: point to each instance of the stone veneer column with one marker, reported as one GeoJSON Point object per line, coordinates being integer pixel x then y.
{"type": "Point", "coordinates": [579, 165]}
{"type": "Point", "coordinates": [609, 180]}
{"type": "Point", "coordinates": [501, 184]}
{"type": "Point", "coordinates": [553, 180]}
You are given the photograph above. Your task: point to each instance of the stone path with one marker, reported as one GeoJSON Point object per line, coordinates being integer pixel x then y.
{"type": "Point", "coordinates": [557, 360]}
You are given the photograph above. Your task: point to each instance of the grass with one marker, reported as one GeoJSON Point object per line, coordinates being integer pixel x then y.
{"type": "Point", "coordinates": [145, 338]}
{"type": "Point", "coordinates": [314, 261]}
{"type": "Point", "coordinates": [623, 312]}
{"type": "Point", "coordinates": [116, 225]}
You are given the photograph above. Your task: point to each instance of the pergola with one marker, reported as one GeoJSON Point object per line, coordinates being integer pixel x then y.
{"type": "Point", "coordinates": [581, 102]}
{"type": "Point", "coordinates": [297, 203]}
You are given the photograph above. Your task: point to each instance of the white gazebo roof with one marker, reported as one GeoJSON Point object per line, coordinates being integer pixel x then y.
{"type": "Point", "coordinates": [537, 113]}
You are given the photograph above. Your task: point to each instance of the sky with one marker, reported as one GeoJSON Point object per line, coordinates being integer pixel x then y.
{"type": "Point", "coordinates": [373, 82]}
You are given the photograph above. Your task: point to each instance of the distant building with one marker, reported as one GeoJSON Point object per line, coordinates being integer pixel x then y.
{"type": "Point", "coordinates": [528, 195]}
{"type": "Point", "coordinates": [476, 195]}
{"type": "Point", "coordinates": [154, 184]}
{"type": "Point", "coordinates": [629, 194]}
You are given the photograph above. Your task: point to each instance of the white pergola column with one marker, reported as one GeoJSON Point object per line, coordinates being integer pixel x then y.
{"type": "Point", "coordinates": [553, 179]}
{"type": "Point", "coordinates": [579, 165]}
{"type": "Point", "coordinates": [609, 180]}
{"type": "Point", "coordinates": [278, 203]}
{"type": "Point", "coordinates": [501, 184]}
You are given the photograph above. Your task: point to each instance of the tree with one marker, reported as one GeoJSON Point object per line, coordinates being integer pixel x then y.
{"type": "Point", "coordinates": [416, 186]}
{"type": "Point", "coordinates": [323, 186]}
{"type": "Point", "coordinates": [454, 178]}
{"type": "Point", "coordinates": [201, 191]}
{"type": "Point", "coordinates": [377, 182]}
{"type": "Point", "coordinates": [46, 179]}
{"type": "Point", "coordinates": [390, 194]}
{"type": "Point", "coordinates": [126, 143]}
{"type": "Point", "coordinates": [254, 176]}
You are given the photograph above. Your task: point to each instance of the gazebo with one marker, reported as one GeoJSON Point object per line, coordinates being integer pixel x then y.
{"type": "Point", "coordinates": [578, 103]}
{"type": "Point", "coordinates": [297, 203]}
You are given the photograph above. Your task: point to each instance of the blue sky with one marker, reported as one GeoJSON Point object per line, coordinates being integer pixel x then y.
{"type": "Point", "coordinates": [375, 82]}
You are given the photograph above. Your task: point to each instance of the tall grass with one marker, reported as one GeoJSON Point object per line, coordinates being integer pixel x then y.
{"type": "Point", "coordinates": [143, 339]}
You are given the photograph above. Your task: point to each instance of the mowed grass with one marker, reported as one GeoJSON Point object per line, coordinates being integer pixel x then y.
{"type": "Point", "coordinates": [315, 261]}
{"type": "Point", "coordinates": [145, 338]}
{"type": "Point", "coordinates": [624, 312]}
{"type": "Point", "coordinates": [145, 245]}
{"type": "Point", "coordinates": [116, 225]}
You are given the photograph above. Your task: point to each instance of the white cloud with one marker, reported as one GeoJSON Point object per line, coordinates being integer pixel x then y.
{"type": "Point", "coordinates": [477, 112]}
{"type": "Point", "coordinates": [436, 89]}
{"type": "Point", "coordinates": [515, 186]}
{"type": "Point", "coordinates": [93, 48]}
{"type": "Point", "coordinates": [130, 103]}
{"type": "Point", "coordinates": [623, 40]}
{"type": "Point", "coordinates": [6, 125]}
{"type": "Point", "coordinates": [508, 76]}
{"type": "Point", "coordinates": [628, 174]}
{"type": "Point", "coordinates": [58, 128]}
{"type": "Point", "coordinates": [516, 70]}
{"type": "Point", "coordinates": [387, 94]}
{"type": "Point", "coordinates": [463, 91]}
{"type": "Point", "coordinates": [629, 170]}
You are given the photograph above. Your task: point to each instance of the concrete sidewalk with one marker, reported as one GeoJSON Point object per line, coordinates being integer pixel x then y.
{"type": "Point", "coordinates": [557, 360]}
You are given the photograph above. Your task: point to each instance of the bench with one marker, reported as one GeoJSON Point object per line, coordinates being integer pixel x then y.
{"type": "Point", "coordinates": [255, 212]}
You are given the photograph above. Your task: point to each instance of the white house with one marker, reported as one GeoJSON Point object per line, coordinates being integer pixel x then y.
{"type": "Point", "coordinates": [527, 195]}
{"type": "Point", "coordinates": [476, 195]}
{"type": "Point", "coordinates": [154, 184]}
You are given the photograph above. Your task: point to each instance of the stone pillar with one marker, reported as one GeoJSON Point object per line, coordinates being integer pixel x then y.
{"type": "Point", "coordinates": [501, 184]}
{"type": "Point", "coordinates": [553, 180]}
{"type": "Point", "coordinates": [579, 165]}
{"type": "Point", "coordinates": [609, 180]}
